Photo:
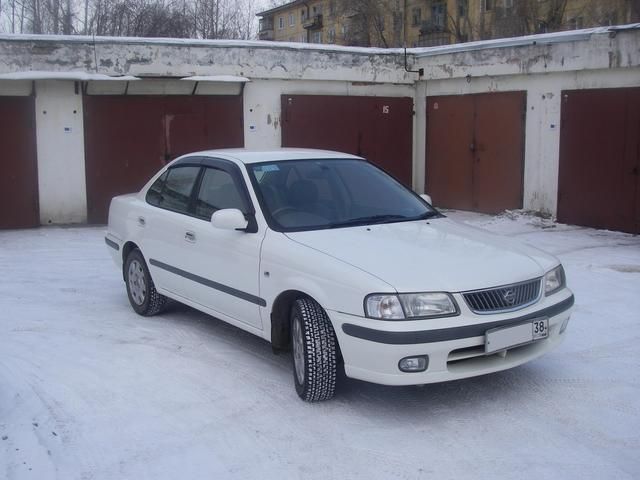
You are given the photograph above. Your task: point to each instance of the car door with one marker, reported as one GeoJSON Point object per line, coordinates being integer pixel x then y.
{"type": "Point", "coordinates": [164, 222]}
{"type": "Point", "coordinates": [223, 264]}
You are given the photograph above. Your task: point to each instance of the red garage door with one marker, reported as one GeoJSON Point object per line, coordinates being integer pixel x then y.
{"type": "Point", "coordinates": [129, 138]}
{"type": "Point", "coordinates": [475, 151]}
{"type": "Point", "coordinates": [599, 179]}
{"type": "Point", "coordinates": [19, 179]}
{"type": "Point", "coordinates": [377, 128]}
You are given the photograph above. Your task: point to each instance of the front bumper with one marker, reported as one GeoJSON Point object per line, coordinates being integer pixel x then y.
{"type": "Point", "coordinates": [372, 348]}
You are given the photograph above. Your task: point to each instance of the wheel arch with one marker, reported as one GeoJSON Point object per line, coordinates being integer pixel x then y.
{"type": "Point", "coordinates": [280, 312]}
{"type": "Point", "coordinates": [127, 248]}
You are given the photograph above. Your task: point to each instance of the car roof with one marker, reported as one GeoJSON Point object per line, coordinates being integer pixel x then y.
{"type": "Point", "coordinates": [248, 156]}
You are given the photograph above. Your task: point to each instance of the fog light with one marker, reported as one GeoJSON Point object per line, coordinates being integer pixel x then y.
{"type": "Point", "coordinates": [564, 326]}
{"type": "Point", "coordinates": [414, 364]}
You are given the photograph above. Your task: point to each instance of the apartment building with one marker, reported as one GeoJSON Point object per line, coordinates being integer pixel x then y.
{"type": "Point", "coordinates": [414, 23]}
{"type": "Point", "coordinates": [299, 21]}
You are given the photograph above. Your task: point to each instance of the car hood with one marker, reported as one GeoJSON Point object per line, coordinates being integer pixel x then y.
{"type": "Point", "coordinates": [434, 255]}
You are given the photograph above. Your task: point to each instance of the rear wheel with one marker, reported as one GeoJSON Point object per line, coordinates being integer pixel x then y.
{"type": "Point", "coordinates": [314, 349]}
{"type": "Point", "coordinates": [143, 296]}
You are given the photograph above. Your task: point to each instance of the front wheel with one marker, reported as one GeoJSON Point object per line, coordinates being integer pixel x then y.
{"type": "Point", "coordinates": [314, 349]}
{"type": "Point", "coordinates": [143, 296]}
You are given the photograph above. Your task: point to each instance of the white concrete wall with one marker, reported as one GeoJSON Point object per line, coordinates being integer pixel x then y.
{"type": "Point", "coordinates": [60, 143]}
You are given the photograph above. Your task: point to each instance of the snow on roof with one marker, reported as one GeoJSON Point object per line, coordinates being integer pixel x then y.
{"type": "Point", "coordinates": [217, 78]}
{"type": "Point", "coordinates": [541, 38]}
{"type": "Point", "coordinates": [545, 38]}
{"type": "Point", "coordinates": [194, 42]}
{"type": "Point", "coordinates": [81, 76]}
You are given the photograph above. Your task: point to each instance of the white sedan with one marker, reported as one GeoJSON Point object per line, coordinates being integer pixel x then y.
{"type": "Point", "coordinates": [326, 255]}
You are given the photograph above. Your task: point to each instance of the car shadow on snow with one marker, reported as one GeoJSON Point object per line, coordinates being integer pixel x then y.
{"type": "Point", "coordinates": [512, 385]}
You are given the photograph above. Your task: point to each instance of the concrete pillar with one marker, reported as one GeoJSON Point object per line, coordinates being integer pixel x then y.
{"type": "Point", "coordinates": [60, 141]}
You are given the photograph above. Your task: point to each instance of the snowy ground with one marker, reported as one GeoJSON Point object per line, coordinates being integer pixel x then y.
{"type": "Point", "coordinates": [89, 390]}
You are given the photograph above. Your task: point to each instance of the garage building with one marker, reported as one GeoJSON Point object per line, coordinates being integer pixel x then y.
{"type": "Point", "coordinates": [546, 123]}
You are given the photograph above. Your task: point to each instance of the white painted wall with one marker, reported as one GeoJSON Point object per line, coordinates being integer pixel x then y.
{"type": "Point", "coordinates": [60, 142]}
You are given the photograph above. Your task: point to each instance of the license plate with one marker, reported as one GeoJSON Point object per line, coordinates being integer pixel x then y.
{"type": "Point", "coordinates": [502, 338]}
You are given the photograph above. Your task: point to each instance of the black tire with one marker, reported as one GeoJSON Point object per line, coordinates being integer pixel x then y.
{"type": "Point", "coordinates": [142, 293]}
{"type": "Point", "coordinates": [314, 365]}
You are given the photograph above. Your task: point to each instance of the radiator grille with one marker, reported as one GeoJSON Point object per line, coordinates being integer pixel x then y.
{"type": "Point", "coordinates": [506, 298]}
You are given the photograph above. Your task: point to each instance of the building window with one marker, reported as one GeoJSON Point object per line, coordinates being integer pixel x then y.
{"type": "Point", "coordinates": [416, 16]}
{"type": "Point", "coordinates": [292, 19]}
{"type": "Point", "coordinates": [508, 8]}
{"type": "Point", "coordinates": [281, 23]}
{"type": "Point", "coordinates": [331, 35]}
{"type": "Point", "coordinates": [438, 14]}
{"type": "Point", "coordinates": [303, 15]}
{"type": "Point", "coordinates": [463, 7]}
{"type": "Point", "coordinates": [317, 37]}
{"type": "Point", "coordinates": [303, 38]}
{"type": "Point", "coordinates": [488, 5]}
{"type": "Point", "coordinates": [576, 23]}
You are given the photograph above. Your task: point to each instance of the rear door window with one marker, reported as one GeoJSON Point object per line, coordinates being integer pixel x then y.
{"type": "Point", "coordinates": [154, 194]}
{"type": "Point", "coordinates": [173, 190]}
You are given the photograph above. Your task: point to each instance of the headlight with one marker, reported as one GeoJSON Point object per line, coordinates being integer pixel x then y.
{"type": "Point", "coordinates": [554, 280]}
{"type": "Point", "coordinates": [410, 305]}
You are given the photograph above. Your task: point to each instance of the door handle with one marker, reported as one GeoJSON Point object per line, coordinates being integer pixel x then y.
{"type": "Point", "coordinates": [190, 237]}
{"type": "Point", "coordinates": [141, 221]}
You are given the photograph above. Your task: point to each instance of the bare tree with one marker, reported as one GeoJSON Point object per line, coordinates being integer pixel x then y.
{"type": "Point", "coordinates": [157, 18]}
{"type": "Point", "coordinates": [370, 22]}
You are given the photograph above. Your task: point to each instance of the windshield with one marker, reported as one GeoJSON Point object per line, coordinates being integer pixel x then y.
{"type": "Point", "coordinates": [317, 194]}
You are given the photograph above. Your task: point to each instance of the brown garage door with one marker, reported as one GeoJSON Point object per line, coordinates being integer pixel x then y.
{"type": "Point", "coordinates": [19, 179]}
{"type": "Point", "coordinates": [377, 128]}
{"type": "Point", "coordinates": [129, 138]}
{"type": "Point", "coordinates": [599, 181]}
{"type": "Point", "coordinates": [475, 151]}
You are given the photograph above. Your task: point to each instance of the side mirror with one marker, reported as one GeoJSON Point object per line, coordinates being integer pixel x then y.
{"type": "Point", "coordinates": [426, 198]}
{"type": "Point", "coordinates": [229, 219]}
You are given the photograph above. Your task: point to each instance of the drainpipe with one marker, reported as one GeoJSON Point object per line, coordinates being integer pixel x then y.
{"type": "Point", "coordinates": [404, 23]}
{"type": "Point", "coordinates": [307, 30]}
{"type": "Point", "coordinates": [420, 71]}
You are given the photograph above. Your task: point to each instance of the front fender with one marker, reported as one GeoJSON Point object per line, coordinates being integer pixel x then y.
{"type": "Point", "coordinates": [334, 284]}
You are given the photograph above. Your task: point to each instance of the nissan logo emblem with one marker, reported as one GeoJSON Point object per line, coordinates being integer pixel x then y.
{"type": "Point", "coordinates": [509, 296]}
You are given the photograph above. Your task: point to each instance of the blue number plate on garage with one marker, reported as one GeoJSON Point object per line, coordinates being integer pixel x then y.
{"type": "Point", "coordinates": [501, 338]}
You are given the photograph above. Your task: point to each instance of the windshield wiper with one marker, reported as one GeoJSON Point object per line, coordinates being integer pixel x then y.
{"type": "Point", "coordinates": [428, 215]}
{"type": "Point", "coordinates": [388, 218]}
{"type": "Point", "coordinates": [370, 220]}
